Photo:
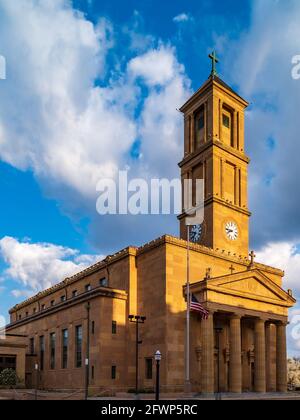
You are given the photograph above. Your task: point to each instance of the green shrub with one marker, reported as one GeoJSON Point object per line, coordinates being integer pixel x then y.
{"type": "Point", "coordinates": [8, 378]}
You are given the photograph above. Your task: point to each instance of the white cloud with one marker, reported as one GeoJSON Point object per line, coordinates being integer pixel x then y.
{"type": "Point", "coordinates": [57, 123]}
{"type": "Point", "coordinates": [53, 119]}
{"type": "Point", "coordinates": [182, 17]}
{"type": "Point", "coordinates": [286, 256]}
{"type": "Point", "coordinates": [24, 294]}
{"type": "Point", "coordinates": [37, 266]}
{"type": "Point", "coordinates": [156, 67]}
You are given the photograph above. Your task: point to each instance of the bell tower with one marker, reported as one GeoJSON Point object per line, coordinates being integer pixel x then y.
{"type": "Point", "coordinates": [214, 150]}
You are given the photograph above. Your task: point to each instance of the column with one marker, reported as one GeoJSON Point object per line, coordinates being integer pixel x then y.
{"type": "Point", "coordinates": [281, 358]}
{"type": "Point", "coordinates": [207, 360]}
{"type": "Point", "coordinates": [271, 357]}
{"type": "Point", "coordinates": [235, 365]}
{"type": "Point", "coordinates": [260, 356]}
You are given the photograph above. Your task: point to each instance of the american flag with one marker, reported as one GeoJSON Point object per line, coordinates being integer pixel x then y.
{"type": "Point", "coordinates": [196, 306]}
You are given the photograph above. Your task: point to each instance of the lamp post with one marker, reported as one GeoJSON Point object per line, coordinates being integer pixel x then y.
{"type": "Point", "coordinates": [36, 369]}
{"type": "Point", "coordinates": [157, 359]}
{"type": "Point", "coordinates": [137, 320]}
{"type": "Point", "coordinates": [87, 359]}
{"type": "Point", "coordinates": [218, 331]}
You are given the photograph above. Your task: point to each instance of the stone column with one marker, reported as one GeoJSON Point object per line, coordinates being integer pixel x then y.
{"type": "Point", "coordinates": [260, 356]}
{"type": "Point", "coordinates": [281, 358]}
{"type": "Point", "coordinates": [207, 359]}
{"type": "Point", "coordinates": [235, 365]}
{"type": "Point", "coordinates": [271, 357]}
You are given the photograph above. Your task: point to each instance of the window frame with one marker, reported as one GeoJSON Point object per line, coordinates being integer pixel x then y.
{"type": "Point", "coordinates": [78, 345]}
{"type": "Point", "coordinates": [149, 368]}
{"type": "Point", "coordinates": [64, 348]}
{"type": "Point", "coordinates": [52, 350]}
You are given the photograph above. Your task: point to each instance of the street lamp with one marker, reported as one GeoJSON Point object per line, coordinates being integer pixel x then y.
{"type": "Point", "coordinates": [137, 320]}
{"type": "Point", "coordinates": [158, 360]}
{"type": "Point", "coordinates": [36, 369]}
{"type": "Point", "coordinates": [219, 332]}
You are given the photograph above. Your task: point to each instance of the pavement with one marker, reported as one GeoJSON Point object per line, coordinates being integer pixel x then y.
{"type": "Point", "coordinates": [78, 395]}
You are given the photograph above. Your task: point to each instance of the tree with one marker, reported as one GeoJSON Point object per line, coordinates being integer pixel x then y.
{"type": "Point", "coordinates": [294, 372]}
{"type": "Point", "coordinates": [8, 378]}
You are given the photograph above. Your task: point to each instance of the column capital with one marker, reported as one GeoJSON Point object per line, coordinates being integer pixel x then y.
{"type": "Point", "coordinates": [261, 320]}
{"type": "Point", "coordinates": [236, 316]}
{"type": "Point", "coordinates": [281, 323]}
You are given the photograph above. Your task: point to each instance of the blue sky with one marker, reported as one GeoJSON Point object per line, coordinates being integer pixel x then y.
{"type": "Point", "coordinates": [91, 86]}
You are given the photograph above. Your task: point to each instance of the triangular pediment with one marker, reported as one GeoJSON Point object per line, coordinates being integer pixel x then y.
{"type": "Point", "coordinates": [252, 284]}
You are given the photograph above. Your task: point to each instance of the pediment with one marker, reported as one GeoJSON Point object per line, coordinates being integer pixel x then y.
{"type": "Point", "coordinates": [251, 284]}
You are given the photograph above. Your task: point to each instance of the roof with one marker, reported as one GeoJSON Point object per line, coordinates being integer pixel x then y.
{"type": "Point", "coordinates": [134, 251]}
{"type": "Point", "coordinates": [214, 80]}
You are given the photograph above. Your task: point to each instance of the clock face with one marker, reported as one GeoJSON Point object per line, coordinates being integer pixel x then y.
{"type": "Point", "coordinates": [232, 231]}
{"type": "Point", "coordinates": [196, 232]}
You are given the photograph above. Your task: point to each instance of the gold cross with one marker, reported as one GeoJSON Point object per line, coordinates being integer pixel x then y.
{"type": "Point", "coordinates": [252, 256]}
{"type": "Point", "coordinates": [215, 60]}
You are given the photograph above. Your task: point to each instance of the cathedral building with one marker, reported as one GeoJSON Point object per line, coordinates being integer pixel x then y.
{"type": "Point", "coordinates": [240, 347]}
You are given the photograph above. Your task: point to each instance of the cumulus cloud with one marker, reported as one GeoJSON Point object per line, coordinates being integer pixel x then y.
{"type": "Point", "coordinates": [53, 119]}
{"type": "Point", "coordinates": [286, 255]}
{"type": "Point", "coordinates": [182, 17]}
{"type": "Point", "coordinates": [37, 266]}
{"type": "Point", "coordinates": [156, 67]}
{"type": "Point", "coordinates": [72, 116]}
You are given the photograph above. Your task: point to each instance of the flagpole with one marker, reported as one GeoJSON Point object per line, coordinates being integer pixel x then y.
{"type": "Point", "coordinates": [188, 293]}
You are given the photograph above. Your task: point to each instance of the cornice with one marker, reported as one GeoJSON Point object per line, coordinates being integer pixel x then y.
{"type": "Point", "coordinates": [84, 297]}
{"type": "Point", "coordinates": [130, 251]}
{"type": "Point", "coordinates": [210, 144]}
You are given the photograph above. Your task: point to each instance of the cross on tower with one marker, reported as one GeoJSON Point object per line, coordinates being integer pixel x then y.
{"type": "Point", "coordinates": [232, 269]}
{"type": "Point", "coordinates": [252, 256]}
{"type": "Point", "coordinates": [215, 60]}
{"type": "Point", "coordinates": [208, 273]}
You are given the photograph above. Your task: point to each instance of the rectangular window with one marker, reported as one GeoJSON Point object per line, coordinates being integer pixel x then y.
{"type": "Point", "coordinates": [26, 314]}
{"type": "Point", "coordinates": [200, 121]}
{"type": "Point", "coordinates": [42, 352]}
{"type": "Point", "coordinates": [20, 317]}
{"type": "Point", "coordinates": [199, 128]}
{"type": "Point", "coordinates": [113, 372]}
{"type": "Point", "coordinates": [63, 299]}
{"type": "Point", "coordinates": [226, 121]}
{"type": "Point", "coordinates": [74, 293]}
{"type": "Point", "coordinates": [88, 288]}
{"type": "Point", "coordinates": [34, 310]}
{"type": "Point", "coordinates": [93, 327]}
{"type": "Point", "coordinates": [65, 344]}
{"type": "Point", "coordinates": [43, 307]}
{"type": "Point", "coordinates": [52, 350]}
{"type": "Point", "coordinates": [103, 282]}
{"type": "Point", "coordinates": [78, 346]}
{"type": "Point", "coordinates": [8, 362]}
{"type": "Point", "coordinates": [93, 373]}
{"type": "Point", "coordinates": [149, 370]}
{"type": "Point", "coordinates": [114, 327]}
{"type": "Point", "coordinates": [31, 346]}
{"type": "Point", "coordinates": [52, 303]}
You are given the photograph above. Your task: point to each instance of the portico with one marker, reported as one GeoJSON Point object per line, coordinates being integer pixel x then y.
{"type": "Point", "coordinates": [249, 355]}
